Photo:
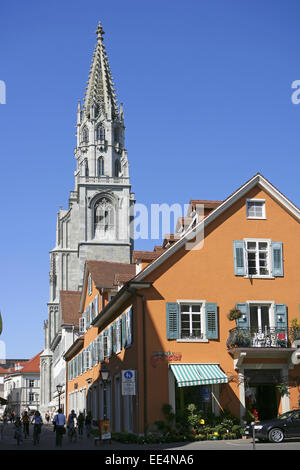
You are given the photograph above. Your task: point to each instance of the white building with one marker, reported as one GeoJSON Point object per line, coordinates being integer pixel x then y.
{"type": "Point", "coordinates": [97, 223]}
{"type": "Point", "coordinates": [22, 386]}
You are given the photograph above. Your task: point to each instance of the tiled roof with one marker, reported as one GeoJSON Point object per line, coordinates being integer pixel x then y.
{"type": "Point", "coordinates": [147, 255]}
{"type": "Point", "coordinates": [106, 274]}
{"type": "Point", "coordinates": [32, 366]}
{"type": "Point", "coordinates": [70, 304]}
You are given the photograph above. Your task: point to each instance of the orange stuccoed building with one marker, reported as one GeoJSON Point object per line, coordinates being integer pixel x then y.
{"type": "Point", "coordinates": [210, 318]}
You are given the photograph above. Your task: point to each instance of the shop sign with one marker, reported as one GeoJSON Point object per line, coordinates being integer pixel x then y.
{"type": "Point", "coordinates": [167, 356]}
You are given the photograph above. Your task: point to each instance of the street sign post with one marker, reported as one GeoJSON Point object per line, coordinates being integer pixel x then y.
{"type": "Point", "coordinates": [128, 382]}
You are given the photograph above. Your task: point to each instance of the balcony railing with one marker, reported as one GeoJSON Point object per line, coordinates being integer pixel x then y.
{"type": "Point", "coordinates": [259, 338]}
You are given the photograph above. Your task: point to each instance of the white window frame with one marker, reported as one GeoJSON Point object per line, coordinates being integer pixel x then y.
{"type": "Point", "coordinates": [264, 303]}
{"type": "Point", "coordinates": [262, 202]}
{"type": "Point", "coordinates": [269, 258]}
{"type": "Point", "coordinates": [82, 325]}
{"type": "Point", "coordinates": [202, 303]}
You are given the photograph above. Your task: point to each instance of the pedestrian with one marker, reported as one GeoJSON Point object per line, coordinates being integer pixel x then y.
{"type": "Point", "coordinates": [37, 427]}
{"type": "Point", "coordinates": [59, 421]}
{"type": "Point", "coordinates": [47, 416]}
{"type": "Point", "coordinates": [80, 424]}
{"type": "Point", "coordinates": [88, 423]}
{"type": "Point", "coordinates": [18, 430]}
{"type": "Point", "coordinates": [25, 421]}
{"type": "Point", "coordinates": [1, 427]}
{"type": "Point", "coordinates": [71, 425]}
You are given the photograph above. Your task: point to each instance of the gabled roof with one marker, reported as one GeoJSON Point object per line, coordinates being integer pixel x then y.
{"type": "Point", "coordinates": [256, 180]}
{"type": "Point", "coordinates": [70, 304]}
{"type": "Point", "coordinates": [31, 366]}
{"type": "Point", "coordinates": [107, 275]}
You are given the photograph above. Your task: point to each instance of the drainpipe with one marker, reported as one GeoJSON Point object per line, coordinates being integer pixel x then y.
{"type": "Point", "coordinates": [144, 357]}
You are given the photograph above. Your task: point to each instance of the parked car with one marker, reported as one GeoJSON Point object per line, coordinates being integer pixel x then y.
{"type": "Point", "coordinates": [284, 426]}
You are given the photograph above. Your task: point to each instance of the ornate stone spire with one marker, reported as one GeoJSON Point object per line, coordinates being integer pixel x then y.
{"type": "Point", "coordinates": [100, 97]}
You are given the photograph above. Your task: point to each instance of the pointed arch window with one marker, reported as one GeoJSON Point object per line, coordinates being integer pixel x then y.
{"type": "Point", "coordinates": [117, 167]}
{"type": "Point", "coordinates": [86, 168]}
{"type": "Point", "coordinates": [85, 134]}
{"type": "Point", "coordinates": [100, 133]}
{"type": "Point", "coordinates": [104, 218]}
{"type": "Point", "coordinates": [100, 166]}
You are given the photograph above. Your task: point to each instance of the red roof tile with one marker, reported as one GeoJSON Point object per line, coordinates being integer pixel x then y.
{"type": "Point", "coordinates": [70, 304]}
{"type": "Point", "coordinates": [106, 274]}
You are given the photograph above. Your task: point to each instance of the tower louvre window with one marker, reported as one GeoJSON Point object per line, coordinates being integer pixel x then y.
{"type": "Point", "coordinates": [100, 166]}
{"type": "Point", "coordinates": [85, 135]}
{"type": "Point", "coordinates": [104, 218]}
{"type": "Point", "coordinates": [86, 168]}
{"type": "Point", "coordinates": [117, 167]}
{"type": "Point", "coordinates": [100, 133]}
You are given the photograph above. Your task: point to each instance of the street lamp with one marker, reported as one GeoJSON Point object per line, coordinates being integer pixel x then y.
{"type": "Point", "coordinates": [59, 391]}
{"type": "Point", "coordinates": [104, 373]}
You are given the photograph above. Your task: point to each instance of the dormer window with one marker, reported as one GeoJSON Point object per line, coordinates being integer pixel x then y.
{"type": "Point", "coordinates": [256, 209]}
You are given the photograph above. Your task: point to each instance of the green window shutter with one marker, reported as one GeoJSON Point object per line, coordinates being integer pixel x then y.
{"type": "Point", "coordinates": [243, 321]}
{"type": "Point", "coordinates": [277, 259]}
{"type": "Point", "coordinates": [239, 258]}
{"type": "Point", "coordinates": [101, 349]}
{"type": "Point", "coordinates": [129, 329]}
{"type": "Point", "coordinates": [281, 316]}
{"type": "Point", "coordinates": [110, 341]}
{"type": "Point", "coordinates": [172, 316]}
{"type": "Point", "coordinates": [97, 305]}
{"type": "Point", "coordinates": [211, 315]}
{"type": "Point", "coordinates": [123, 330]}
{"type": "Point", "coordinates": [114, 337]}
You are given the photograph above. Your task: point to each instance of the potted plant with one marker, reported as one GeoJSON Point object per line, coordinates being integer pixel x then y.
{"type": "Point", "coordinates": [234, 314]}
{"type": "Point", "coordinates": [295, 330]}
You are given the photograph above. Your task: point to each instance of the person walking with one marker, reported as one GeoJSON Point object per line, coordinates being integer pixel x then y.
{"type": "Point", "coordinates": [25, 421]}
{"type": "Point", "coordinates": [1, 427]}
{"type": "Point", "coordinates": [71, 425]}
{"type": "Point", "coordinates": [37, 427]}
{"type": "Point", "coordinates": [59, 421]}
{"type": "Point", "coordinates": [88, 423]}
{"type": "Point", "coordinates": [47, 416]}
{"type": "Point", "coordinates": [80, 424]}
{"type": "Point", "coordinates": [18, 430]}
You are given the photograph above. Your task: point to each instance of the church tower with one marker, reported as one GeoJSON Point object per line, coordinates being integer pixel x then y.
{"type": "Point", "coordinates": [98, 222]}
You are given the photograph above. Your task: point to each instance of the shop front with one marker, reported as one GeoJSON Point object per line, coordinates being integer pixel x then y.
{"type": "Point", "coordinates": [197, 384]}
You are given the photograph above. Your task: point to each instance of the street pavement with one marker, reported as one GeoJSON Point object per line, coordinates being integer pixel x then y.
{"type": "Point", "coordinates": [47, 442]}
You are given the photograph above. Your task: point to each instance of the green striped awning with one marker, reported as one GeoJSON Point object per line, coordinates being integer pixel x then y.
{"type": "Point", "coordinates": [198, 374]}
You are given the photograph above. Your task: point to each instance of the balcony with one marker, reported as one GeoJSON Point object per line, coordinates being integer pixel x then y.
{"type": "Point", "coordinates": [259, 338]}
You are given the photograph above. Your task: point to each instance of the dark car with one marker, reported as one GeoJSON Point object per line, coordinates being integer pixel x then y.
{"type": "Point", "coordinates": [284, 426]}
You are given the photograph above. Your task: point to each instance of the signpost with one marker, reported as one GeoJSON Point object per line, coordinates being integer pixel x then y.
{"type": "Point", "coordinates": [128, 382]}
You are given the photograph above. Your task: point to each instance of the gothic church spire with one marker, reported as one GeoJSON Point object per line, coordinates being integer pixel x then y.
{"type": "Point", "coordinates": [100, 97]}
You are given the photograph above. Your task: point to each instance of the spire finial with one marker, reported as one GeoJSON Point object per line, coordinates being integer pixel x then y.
{"type": "Point", "coordinates": [100, 32]}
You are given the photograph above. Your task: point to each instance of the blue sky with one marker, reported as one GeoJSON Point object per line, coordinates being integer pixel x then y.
{"type": "Point", "coordinates": [206, 87]}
